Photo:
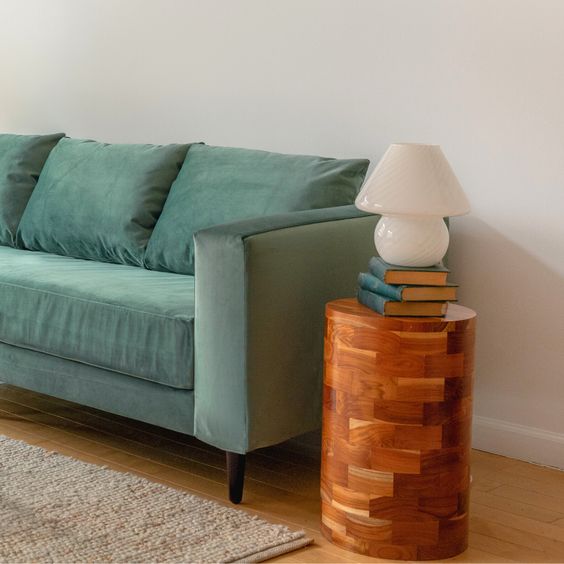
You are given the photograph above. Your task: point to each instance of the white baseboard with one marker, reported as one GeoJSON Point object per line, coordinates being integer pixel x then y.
{"type": "Point", "coordinates": [518, 441]}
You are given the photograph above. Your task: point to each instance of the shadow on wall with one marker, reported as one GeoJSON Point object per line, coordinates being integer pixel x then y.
{"type": "Point", "coordinates": [520, 339]}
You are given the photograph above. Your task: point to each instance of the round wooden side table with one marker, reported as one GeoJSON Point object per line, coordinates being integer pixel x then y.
{"type": "Point", "coordinates": [397, 416]}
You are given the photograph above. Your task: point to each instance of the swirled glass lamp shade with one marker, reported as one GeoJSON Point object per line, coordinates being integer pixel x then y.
{"type": "Point", "coordinates": [413, 187]}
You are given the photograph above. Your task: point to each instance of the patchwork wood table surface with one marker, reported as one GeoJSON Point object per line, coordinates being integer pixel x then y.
{"type": "Point", "coordinates": [397, 416]}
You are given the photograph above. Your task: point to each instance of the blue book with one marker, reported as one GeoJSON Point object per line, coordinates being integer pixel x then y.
{"type": "Point", "coordinates": [405, 293]}
{"type": "Point", "coordinates": [369, 282]}
{"type": "Point", "coordinates": [386, 306]}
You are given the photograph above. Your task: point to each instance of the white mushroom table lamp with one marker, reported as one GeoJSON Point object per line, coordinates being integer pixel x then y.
{"type": "Point", "coordinates": [413, 187]}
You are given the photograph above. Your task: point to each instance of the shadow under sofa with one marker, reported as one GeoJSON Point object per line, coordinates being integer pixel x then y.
{"type": "Point", "coordinates": [231, 354]}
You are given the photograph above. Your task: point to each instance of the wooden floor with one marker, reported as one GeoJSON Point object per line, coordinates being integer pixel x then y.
{"type": "Point", "coordinates": [517, 509]}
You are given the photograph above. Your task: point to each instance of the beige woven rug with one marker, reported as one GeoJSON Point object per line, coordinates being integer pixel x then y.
{"type": "Point", "coordinates": [57, 509]}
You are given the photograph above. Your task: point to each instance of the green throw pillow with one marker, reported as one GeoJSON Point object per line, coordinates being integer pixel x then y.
{"type": "Point", "coordinates": [99, 201]}
{"type": "Point", "coordinates": [220, 185]}
{"type": "Point", "coordinates": [21, 159]}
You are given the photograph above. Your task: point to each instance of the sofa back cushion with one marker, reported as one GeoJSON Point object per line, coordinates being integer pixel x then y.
{"type": "Point", "coordinates": [99, 201]}
{"type": "Point", "coordinates": [21, 159]}
{"type": "Point", "coordinates": [220, 185]}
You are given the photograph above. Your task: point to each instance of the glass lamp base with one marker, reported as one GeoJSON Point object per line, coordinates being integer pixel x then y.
{"type": "Point", "coordinates": [411, 241]}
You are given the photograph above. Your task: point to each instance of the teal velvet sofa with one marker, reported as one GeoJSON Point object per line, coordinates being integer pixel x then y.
{"type": "Point", "coordinates": [180, 285]}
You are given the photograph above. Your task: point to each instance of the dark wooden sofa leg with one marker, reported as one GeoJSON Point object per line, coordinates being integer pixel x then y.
{"type": "Point", "coordinates": [235, 475]}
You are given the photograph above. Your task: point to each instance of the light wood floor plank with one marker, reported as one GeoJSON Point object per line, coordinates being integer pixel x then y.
{"type": "Point", "coordinates": [532, 498]}
{"type": "Point", "coordinates": [503, 549]}
{"type": "Point", "coordinates": [516, 506]}
{"type": "Point", "coordinates": [542, 485]}
{"type": "Point", "coordinates": [547, 530]}
{"type": "Point", "coordinates": [551, 549]}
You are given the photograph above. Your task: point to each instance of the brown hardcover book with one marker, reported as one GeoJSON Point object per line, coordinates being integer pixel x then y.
{"type": "Point", "coordinates": [393, 274]}
{"type": "Point", "coordinates": [404, 293]}
{"type": "Point", "coordinates": [429, 293]}
{"type": "Point", "coordinates": [415, 309]}
{"type": "Point", "coordinates": [385, 306]}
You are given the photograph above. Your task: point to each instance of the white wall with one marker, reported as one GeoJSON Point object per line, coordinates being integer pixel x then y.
{"type": "Point", "coordinates": [485, 79]}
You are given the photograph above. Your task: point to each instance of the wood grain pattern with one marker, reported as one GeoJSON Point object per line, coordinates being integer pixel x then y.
{"type": "Point", "coordinates": [397, 414]}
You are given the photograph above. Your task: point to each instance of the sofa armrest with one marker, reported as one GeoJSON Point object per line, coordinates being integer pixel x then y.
{"type": "Point", "coordinates": [261, 289]}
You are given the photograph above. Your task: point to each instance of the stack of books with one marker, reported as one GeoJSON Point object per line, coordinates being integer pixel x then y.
{"type": "Point", "coordinates": [405, 291]}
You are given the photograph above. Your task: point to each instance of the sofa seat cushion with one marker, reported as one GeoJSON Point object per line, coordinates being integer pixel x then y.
{"type": "Point", "coordinates": [117, 317]}
{"type": "Point", "coordinates": [218, 185]}
{"type": "Point", "coordinates": [99, 201]}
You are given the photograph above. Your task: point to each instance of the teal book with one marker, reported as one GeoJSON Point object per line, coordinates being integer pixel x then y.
{"type": "Point", "coordinates": [386, 306]}
{"type": "Point", "coordinates": [373, 284]}
{"type": "Point", "coordinates": [375, 302]}
{"type": "Point", "coordinates": [405, 293]}
{"type": "Point", "coordinates": [393, 274]}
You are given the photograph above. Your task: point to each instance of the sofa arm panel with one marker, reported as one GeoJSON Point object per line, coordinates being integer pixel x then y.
{"type": "Point", "coordinates": [261, 289]}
